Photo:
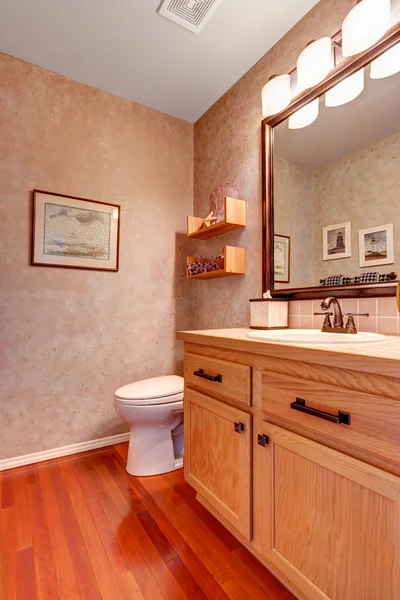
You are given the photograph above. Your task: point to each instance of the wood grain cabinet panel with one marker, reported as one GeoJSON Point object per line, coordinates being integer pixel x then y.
{"type": "Point", "coordinates": [329, 522]}
{"type": "Point", "coordinates": [218, 457]}
{"type": "Point", "coordinates": [232, 381]}
{"type": "Point", "coordinates": [374, 422]}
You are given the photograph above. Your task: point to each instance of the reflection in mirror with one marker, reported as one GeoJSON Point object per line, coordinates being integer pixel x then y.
{"type": "Point", "coordinates": [337, 191]}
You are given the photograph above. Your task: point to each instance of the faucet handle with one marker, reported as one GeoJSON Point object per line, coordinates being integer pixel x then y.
{"type": "Point", "coordinates": [350, 325]}
{"type": "Point", "coordinates": [327, 321]}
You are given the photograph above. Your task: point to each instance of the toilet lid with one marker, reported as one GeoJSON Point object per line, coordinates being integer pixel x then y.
{"type": "Point", "coordinates": [158, 389]}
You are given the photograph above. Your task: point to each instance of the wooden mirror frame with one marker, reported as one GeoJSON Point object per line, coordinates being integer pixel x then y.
{"type": "Point", "coordinates": [343, 69]}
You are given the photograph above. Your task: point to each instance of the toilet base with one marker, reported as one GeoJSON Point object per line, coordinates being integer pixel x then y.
{"type": "Point", "coordinates": [151, 452]}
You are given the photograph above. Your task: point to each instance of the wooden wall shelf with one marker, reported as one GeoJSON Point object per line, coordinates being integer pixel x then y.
{"type": "Point", "coordinates": [235, 264]}
{"type": "Point", "coordinates": [234, 218]}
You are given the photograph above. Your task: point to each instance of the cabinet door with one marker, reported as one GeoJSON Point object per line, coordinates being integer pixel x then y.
{"type": "Point", "coordinates": [218, 455]}
{"type": "Point", "coordinates": [329, 522]}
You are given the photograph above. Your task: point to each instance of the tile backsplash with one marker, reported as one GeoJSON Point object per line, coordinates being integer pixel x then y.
{"type": "Point", "coordinates": [383, 315]}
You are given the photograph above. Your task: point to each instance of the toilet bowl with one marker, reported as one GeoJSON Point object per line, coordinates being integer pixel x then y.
{"type": "Point", "coordinates": [153, 409]}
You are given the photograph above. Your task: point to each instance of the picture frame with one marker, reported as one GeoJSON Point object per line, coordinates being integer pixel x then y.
{"type": "Point", "coordinates": [282, 258]}
{"type": "Point", "coordinates": [73, 232]}
{"type": "Point", "coordinates": [336, 241]}
{"type": "Point", "coordinates": [376, 246]}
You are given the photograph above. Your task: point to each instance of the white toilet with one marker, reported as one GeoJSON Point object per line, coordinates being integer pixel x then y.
{"type": "Point", "coordinates": [153, 409]}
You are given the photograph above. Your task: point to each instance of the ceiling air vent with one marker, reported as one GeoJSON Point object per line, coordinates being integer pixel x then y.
{"type": "Point", "coordinates": [191, 14]}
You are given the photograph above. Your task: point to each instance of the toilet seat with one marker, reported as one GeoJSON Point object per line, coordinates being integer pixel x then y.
{"type": "Point", "coordinates": [153, 391]}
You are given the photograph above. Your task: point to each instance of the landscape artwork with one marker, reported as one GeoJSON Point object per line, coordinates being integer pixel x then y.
{"type": "Point", "coordinates": [376, 246]}
{"type": "Point", "coordinates": [336, 241]}
{"type": "Point", "coordinates": [75, 232]}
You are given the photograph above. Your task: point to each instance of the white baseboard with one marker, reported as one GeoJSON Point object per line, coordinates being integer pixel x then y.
{"type": "Point", "coordinates": [29, 459]}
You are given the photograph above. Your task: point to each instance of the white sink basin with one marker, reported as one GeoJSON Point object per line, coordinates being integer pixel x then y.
{"type": "Point", "coordinates": [314, 336]}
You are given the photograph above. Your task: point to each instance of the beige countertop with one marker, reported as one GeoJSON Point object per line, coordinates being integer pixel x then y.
{"type": "Point", "coordinates": [377, 357]}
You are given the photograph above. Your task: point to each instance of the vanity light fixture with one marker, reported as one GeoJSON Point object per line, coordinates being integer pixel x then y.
{"type": "Point", "coordinates": [346, 90]}
{"type": "Point", "coordinates": [276, 94]}
{"type": "Point", "coordinates": [304, 116]}
{"type": "Point", "coordinates": [314, 63]}
{"type": "Point", "coordinates": [386, 64]}
{"type": "Point", "coordinates": [365, 25]}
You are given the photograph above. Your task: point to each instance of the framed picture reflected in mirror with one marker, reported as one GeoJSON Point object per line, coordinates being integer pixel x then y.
{"type": "Point", "coordinates": [282, 258]}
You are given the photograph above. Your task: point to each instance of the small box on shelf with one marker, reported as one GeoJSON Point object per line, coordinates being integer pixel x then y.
{"type": "Point", "coordinates": [234, 263]}
{"type": "Point", "coordinates": [234, 218]}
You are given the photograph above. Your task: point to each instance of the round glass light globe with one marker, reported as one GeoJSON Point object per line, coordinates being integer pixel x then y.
{"type": "Point", "coordinates": [304, 116]}
{"type": "Point", "coordinates": [386, 64]}
{"type": "Point", "coordinates": [314, 63]}
{"type": "Point", "coordinates": [365, 25]}
{"type": "Point", "coordinates": [276, 95]}
{"type": "Point", "coordinates": [346, 90]}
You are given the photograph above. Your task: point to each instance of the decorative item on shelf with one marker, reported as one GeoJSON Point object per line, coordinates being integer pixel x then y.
{"type": "Point", "coordinates": [376, 246]}
{"type": "Point", "coordinates": [268, 313]}
{"type": "Point", "coordinates": [73, 232]}
{"type": "Point", "coordinates": [234, 217]}
{"type": "Point", "coordinates": [232, 261]}
{"type": "Point", "coordinates": [375, 277]}
{"type": "Point", "coordinates": [336, 241]}
{"type": "Point", "coordinates": [209, 220]}
{"type": "Point", "coordinates": [217, 199]}
{"type": "Point", "coordinates": [202, 266]}
{"type": "Point", "coordinates": [370, 277]}
{"type": "Point", "coordinates": [332, 280]}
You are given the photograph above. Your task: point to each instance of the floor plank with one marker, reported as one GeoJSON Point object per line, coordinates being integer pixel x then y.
{"type": "Point", "coordinates": [8, 554]}
{"type": "Point", "coordinates": [81, 528]}
{"type": "Point", "coordinates": [65, 574]}
{"type": "Point", "coordinates": [85, 577]}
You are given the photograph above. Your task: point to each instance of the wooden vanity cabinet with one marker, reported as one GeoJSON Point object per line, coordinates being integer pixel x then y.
{"type": "Point", "coordinates": [316, 500]}
{"type": "Point", "coordinates": [329, 522]}
{"type": "Point", "coordinates": [218, 457]}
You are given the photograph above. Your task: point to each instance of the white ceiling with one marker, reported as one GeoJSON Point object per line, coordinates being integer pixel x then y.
{"type": "Point", "coordinates": [126, 48]}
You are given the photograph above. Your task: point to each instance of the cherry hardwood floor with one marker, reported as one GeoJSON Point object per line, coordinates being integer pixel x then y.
{"type": "Point", "coordinates": [81, 528]}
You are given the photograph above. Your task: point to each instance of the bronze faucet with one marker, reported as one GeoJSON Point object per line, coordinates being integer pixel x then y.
{"type": "Point", "coordinates": [337, 326]}
{"type": "Point", "coordinates": [337, 311]}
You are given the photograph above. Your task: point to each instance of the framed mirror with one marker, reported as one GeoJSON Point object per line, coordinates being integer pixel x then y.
{"type": "Point", "coordinates": [331, 189]}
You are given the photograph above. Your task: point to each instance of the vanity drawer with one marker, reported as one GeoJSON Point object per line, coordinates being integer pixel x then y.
{"type": "Point", "coordinates": [218, 378]}
{"type": "Point", "coordinates": [364, 421]}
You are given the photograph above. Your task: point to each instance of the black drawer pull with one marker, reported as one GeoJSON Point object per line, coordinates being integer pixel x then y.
{"type": "Point", "coordinates": [238, 427]}
{"type": "Point", "coordinates": [263, 440]}
{"type": "Point", "coordinates": [341, 417]}
{"type": "Point", "coordinates": [200, 373]}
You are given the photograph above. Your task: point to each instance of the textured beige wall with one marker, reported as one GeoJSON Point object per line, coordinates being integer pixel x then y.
{"type": "Point", "coordinates": [295, 216]}
{"type": "Point", "coordinates": [362, 188]}
{"type": "Point", "coordinates": [69, 338]}
{"type": "Point", "coordinates": [228, 149]}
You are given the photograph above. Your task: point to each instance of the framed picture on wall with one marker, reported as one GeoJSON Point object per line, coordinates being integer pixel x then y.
{"type": "Point", "coordinates": [73, 232]}
{"type": "Point", "coordinates": [282, 258]}
{"type": "Point", "coordinates": [376, 246]}
{"type": "Point", "coordinates": [336, 241]}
